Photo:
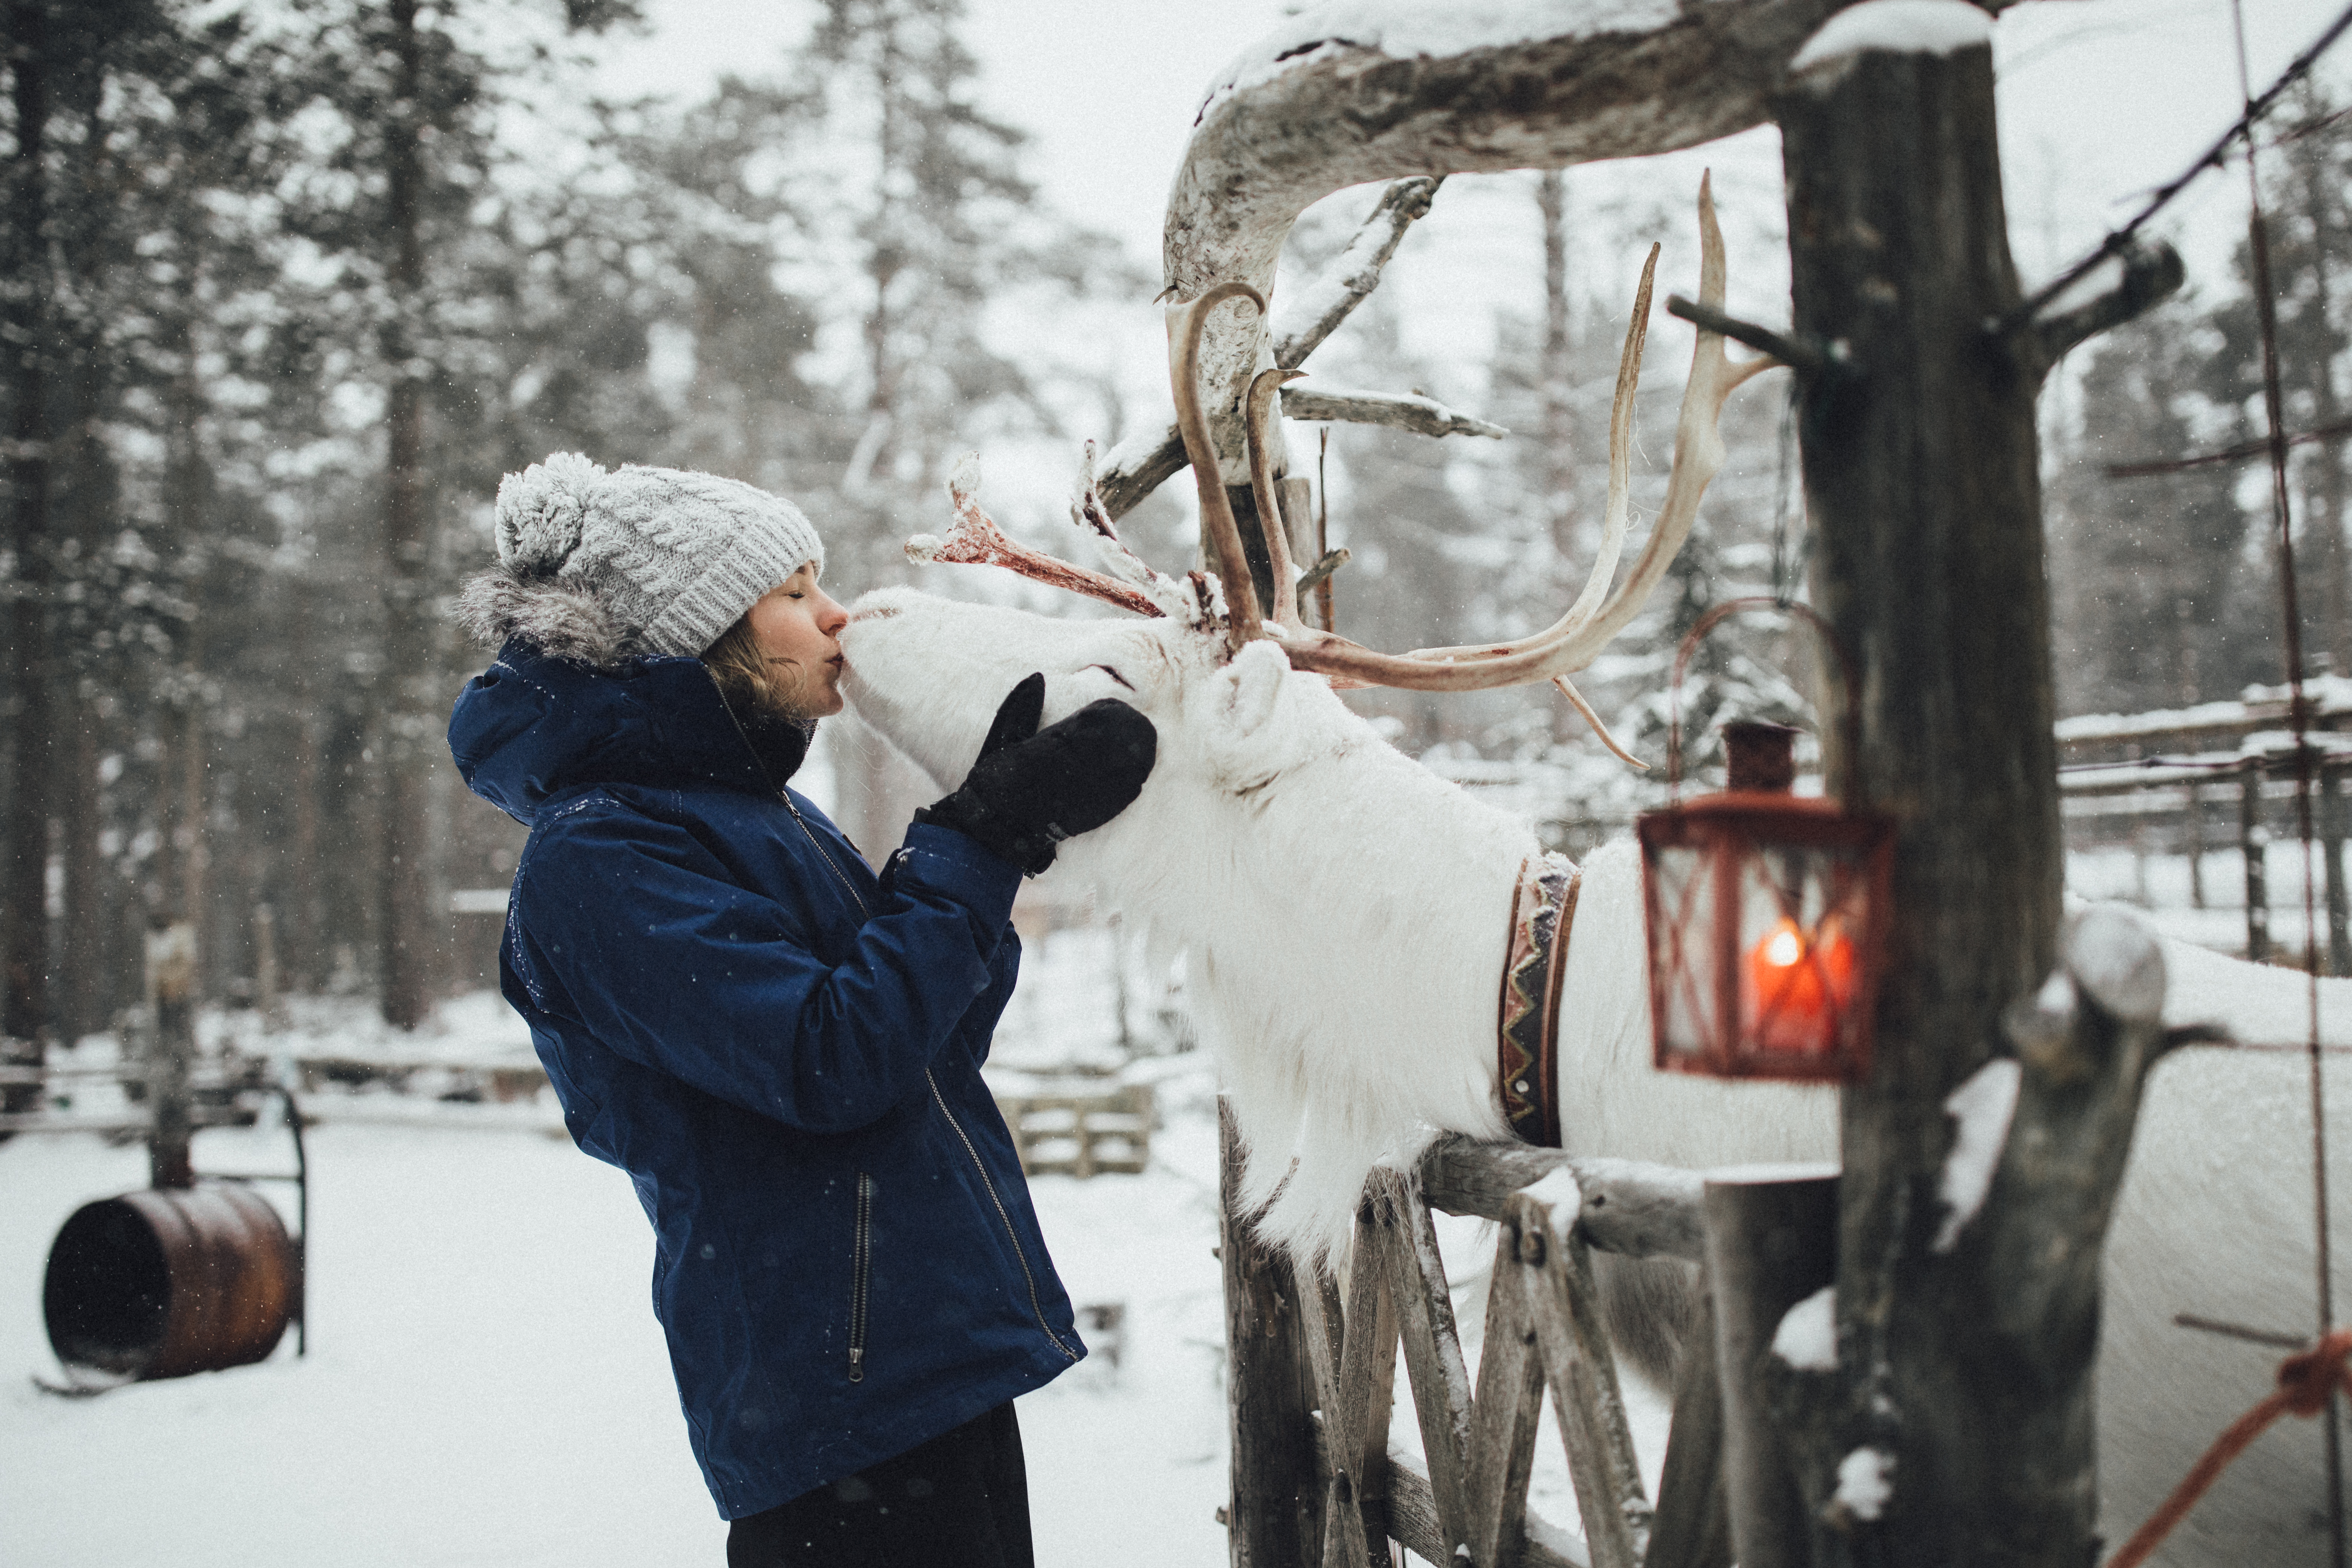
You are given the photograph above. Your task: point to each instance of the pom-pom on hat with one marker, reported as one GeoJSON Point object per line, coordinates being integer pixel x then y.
{"type": "Point", "coordinates": [602, 566]}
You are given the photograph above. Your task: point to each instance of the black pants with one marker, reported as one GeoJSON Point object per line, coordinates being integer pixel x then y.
{"type": "Point", "coordinates": [960, 1501]}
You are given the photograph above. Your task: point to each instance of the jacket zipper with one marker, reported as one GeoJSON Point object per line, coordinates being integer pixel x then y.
{"type": "Point", "coordinates": [839, 874]}
{"type": "Point", "coordinates": [1010, 1234]}
{"type": "Point", "coordinates": [815, 843]}
{"type": "Point", "coordinates": [861, 1263]}
{"type": "Point", "coordinates": [864, 1183]}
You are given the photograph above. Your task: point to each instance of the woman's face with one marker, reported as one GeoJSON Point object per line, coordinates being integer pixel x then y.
{"type": "Point", "coordinates": [797, 622]}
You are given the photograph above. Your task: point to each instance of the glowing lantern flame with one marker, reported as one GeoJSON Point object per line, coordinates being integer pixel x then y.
{"type": "Point", "coordinates": [1796, 990]}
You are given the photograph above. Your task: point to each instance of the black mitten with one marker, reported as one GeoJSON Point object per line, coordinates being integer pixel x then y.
{"type": "Point", "coordinates": [1032, 788]}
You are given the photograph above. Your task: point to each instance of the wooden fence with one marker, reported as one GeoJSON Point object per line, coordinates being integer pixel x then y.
{"type": "Point", "coordinates": [1081, 1133]}
{"type": "Point", "coordinates": [2192, 805]}
{"type": "Point", "coordinates": [1312, 1374]}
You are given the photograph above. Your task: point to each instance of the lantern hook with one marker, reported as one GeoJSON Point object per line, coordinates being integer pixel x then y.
{"type": "Point", "coordinates": [1707, 623]}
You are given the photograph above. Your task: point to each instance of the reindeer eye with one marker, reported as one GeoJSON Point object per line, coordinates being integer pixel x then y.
{"type": "Point", "coordinates": [1112, 673]}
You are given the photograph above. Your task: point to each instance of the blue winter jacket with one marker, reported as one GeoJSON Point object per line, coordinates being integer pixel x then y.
{"type": "Point", "coordinates": [784, 1052]}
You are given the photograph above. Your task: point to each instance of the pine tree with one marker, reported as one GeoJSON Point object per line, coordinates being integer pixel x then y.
{"type": "Point", "coordinates": [415, 108]}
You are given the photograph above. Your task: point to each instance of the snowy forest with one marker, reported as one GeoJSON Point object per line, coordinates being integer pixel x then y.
{"type": "Point", "coordinates": [288, 286]}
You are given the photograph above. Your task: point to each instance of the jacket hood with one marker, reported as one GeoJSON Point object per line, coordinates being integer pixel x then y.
{"type": "Point", "coordinates": [568, 619]}
{"type": "Point", "coordinates": [533, 726]}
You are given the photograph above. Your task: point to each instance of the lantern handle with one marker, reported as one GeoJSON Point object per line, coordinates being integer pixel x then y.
{"type": "Point", "coordinates": [1707, 623]}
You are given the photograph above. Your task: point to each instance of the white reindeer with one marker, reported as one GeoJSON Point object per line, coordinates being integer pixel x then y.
{"type": "Point", "coordinates": [1344, 912]}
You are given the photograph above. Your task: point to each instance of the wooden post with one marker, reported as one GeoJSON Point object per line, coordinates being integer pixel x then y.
{"type": "Point", "coordinates": [1301, 534]}
{"type": "Point", "coordinates": [1770, 1243]}
{"type": "Point", "coordinates": [171, 1051]}
{"type": "Point", "coordinates": [1921, 474]}
{"type": "Point", "coordinates": [2196, 847]}
{"type": "Point", "coordinates": [1693, 1528]}
{"type": "Point", "coordinates": [1274, 1515]}
{"type": "Point", "coordinates": [2253, 844]}
{"type": "Point", "coordinates": [2331, 832]}
{"type": "Point", "coordinates": [264, 968]}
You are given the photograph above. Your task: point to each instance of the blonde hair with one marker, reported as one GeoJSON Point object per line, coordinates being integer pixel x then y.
{"type": "Point", "coordinates": [752, 682]}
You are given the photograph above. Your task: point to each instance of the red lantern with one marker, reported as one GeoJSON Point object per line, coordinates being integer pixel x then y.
{"type": "Point", "coordinates": [1765, 911]}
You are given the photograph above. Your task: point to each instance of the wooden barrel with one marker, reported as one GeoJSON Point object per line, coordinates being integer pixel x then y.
{"type": "Point", "coordinates": [169, 1281]}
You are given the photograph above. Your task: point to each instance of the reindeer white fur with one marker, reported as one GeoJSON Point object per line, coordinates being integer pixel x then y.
{"type": "Point", "coordinates": [1344, 912]}
{"type": "Point", "coordinates": [1352, 988]}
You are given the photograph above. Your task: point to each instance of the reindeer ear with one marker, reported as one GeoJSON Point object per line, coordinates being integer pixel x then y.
{"type": "Point", "coordinates": [1255, 676]}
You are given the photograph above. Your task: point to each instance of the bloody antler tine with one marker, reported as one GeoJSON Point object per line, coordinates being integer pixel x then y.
{"type": "Point", "coordinates": [976, 541]}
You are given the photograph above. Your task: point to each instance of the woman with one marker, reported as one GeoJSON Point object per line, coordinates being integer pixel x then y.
{"type": "Point", "coordinates": [781, 1049]}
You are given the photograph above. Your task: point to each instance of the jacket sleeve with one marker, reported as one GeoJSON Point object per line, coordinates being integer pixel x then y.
{"type": "Point", "coordinates": [634, 927]}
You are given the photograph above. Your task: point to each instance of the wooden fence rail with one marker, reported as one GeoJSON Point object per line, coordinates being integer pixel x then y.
{"type": "Point", "coordinates": [1468, 1495]}
{"type": "Point", "coordinates": [1108, 1132]}
{"type": "Point", "coordinates": [2179, 797]}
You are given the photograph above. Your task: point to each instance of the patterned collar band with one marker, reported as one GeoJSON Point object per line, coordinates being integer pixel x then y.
{"type": "Point", "coordinates": [1543, 909]}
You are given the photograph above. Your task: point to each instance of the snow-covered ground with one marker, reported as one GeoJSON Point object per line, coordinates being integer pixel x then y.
{"type": "Point", "coordinates": [486, 1382]}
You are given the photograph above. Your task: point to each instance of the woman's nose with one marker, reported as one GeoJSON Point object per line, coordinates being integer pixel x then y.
{"type": "Point", "coordinates": [830, 616]}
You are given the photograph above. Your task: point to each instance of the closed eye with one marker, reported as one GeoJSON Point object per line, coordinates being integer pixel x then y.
{"type": "Point", "coordinates": [1112, 673]}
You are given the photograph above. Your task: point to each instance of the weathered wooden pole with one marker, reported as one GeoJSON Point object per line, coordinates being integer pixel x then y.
{"type": "Point", "coordinates": [1274, 1515]}
{"type": "Point", "coordinates": [2253, 847]}
{"type": "Point", "coordinates": [1970, 1415]}
{"type": "Point", "coordinates": [1771, 1243]}
{"type": "Point", "coordinates": [172, 1046]}
{"type": "Point", "coordinates": [2331, 851]}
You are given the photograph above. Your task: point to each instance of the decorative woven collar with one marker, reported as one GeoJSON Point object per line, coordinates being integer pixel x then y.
{"type": "Point", "coordinates": [1543, 909]}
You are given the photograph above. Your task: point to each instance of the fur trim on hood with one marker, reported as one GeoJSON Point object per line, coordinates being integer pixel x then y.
{"type": "Point", "coordinates": [561, 619]}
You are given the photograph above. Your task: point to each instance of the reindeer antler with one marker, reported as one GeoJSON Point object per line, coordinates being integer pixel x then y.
{"type": "Point", "coordinates": [1185, 324]}
{"type": "Point", "coordinates": [1572, 642]}
{"type": "Point", "coordinates": [1569, 644]}
{"type": "Point", "coordinates": [976, 539]}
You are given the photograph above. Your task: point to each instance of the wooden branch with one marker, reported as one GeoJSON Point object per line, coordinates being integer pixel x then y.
{"type": "Point", "coordinates": [1306, 113]}
{"type": "Point", "coordinates": [2151, 273]}
{"type": "Point", "coordinates": [1509, 1407]}
{"type": "Point", "coordinates": [1631, 1208]}
{"type": "Point", "coordinates": [1138, 466]}
{"type": "Point", "coordinates": [2333, 430]}
{"type": "Point", "coordinates": [1315, 576]}
{"type": "Point", "coordinates": [1805, 359]}
{"type": "Point", "coordinates": [1414, 1523]}
{"type": "Point", "coordinates": [1401, 411]}
{"type": "Point", "coordinates": [1356, 1416]}
{"type": "Point", "coordinates": [1143, 463]}
{"type": "Point", "coordinates": [1317, 306]}
{"type": "Point", "coordinates": [2086, 1044]}
{"type": "Point", "coordinates": [1565, 1307]}
{"type": "Point", "coordinates": [1432, 1355]}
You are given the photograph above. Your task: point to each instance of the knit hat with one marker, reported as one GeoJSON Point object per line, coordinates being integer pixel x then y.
{"type": "Point", "coordinates": [600, 566]}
